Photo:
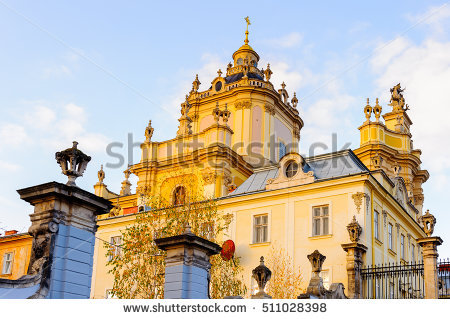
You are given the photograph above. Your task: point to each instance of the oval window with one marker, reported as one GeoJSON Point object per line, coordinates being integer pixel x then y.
{"type": "Point", "coordinates": [239, 61]}
{"type": "Point", "coordinates": [291, 169]}
{"type": "Point", "coordinates": [218, 86]}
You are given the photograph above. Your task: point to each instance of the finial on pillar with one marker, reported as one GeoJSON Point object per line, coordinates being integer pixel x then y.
{"type": "Point", "coordinates": [368, 111]}
{"type": "Point", "coordinates": [219, 73]}
{"type": "Point", "coordinates": [216, 113]}
{"type": "Point", "coordinates": [73, 163]}
{"type": "Point", "coordinates": [354, 230]}
{"type": "Point", "coordinates": [377, 110]}
{"type": "Point", "coordinates": [294, 100]}
{"type": "Point", "coordinates": [428, 221]}
{"type": "Point", "coordinates": [262, 275]}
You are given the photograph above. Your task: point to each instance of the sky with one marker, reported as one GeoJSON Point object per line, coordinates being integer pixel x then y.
{"type": "Point", "coordinates": [97, 72]}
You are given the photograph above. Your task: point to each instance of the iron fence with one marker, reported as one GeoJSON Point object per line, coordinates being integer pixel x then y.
{"type": "Point", "coordinates": [443, 268]}
{"type": "Point", "coordinates": [393, 281]}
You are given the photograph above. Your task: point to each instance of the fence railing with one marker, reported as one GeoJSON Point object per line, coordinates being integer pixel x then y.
{"type": "Point", "coordinates": [444, 278]}
{"type": "Point", "coordinates": [393, 281]}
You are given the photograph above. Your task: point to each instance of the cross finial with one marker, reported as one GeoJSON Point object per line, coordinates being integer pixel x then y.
{"type": "Point", "coordinates": [246, 32]}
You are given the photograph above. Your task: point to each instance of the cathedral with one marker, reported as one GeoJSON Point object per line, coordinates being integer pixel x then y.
{"type": "Point", "coordinates": [238, 141]}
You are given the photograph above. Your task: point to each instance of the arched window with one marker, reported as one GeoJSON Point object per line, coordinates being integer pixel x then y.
{"type": "Point", "coordinates": [179, 195]}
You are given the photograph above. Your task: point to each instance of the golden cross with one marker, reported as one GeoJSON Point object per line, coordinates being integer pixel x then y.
{"type": "Point", "coordinates": [246, 32]}
{"type": "Point", "coordinates": [248, 21]}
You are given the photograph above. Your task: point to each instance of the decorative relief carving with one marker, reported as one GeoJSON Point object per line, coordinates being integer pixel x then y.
{"type": "Point", "coordinates": [385, 217]}
{"type": "Point", "coordinates": [209, 176]}
{"type": "Point", "coordinates": [269, 108]}
{"type": "Point", "coordinates": [358, 199]}
{"type": "Point", "coordinates": [243, 104]}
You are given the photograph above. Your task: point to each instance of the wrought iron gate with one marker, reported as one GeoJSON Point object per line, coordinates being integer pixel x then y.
{"type": "Point", "coordinates": [393, 281]}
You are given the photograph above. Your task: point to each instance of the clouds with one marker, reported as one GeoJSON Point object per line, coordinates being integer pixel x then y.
{"type": "Point", "coordinates": [287, 41]}
{"type": "Point", "coordinates": [424, 69]}
{"type": "Point", "coordinates": [50, 127]}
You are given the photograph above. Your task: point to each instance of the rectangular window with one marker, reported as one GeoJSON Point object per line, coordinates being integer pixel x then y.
{"type": "Point", "coordinates": [7, 263]}
{"type": "Point", "coordinates": [413, 248]}
{"type": "Point", "coordinates": [376, 218]}
{"type": "Point", "coordinates": [390, 236]}
{"type": "Point", "coordinates": [282, 150]}
{"type": "Point", "coordinates": [260, 229]}
{"type": "Point", "coordinates": [115, 247]}
{"type": "Point", "coordinates": [402, 246]}
{"type": "Point", "coordinates": [320, 220]}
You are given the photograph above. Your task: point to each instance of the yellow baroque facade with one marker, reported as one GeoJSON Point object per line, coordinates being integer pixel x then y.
{"type": "Point", "coordinates": [238, 141]}
{"type": "Point", "coordinates": [15, 251]}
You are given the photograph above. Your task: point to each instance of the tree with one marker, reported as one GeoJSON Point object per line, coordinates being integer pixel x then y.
{"type": "Point", "coordinates": [286, 280]}
{"type": "Point", "coordinates": [138, 269]}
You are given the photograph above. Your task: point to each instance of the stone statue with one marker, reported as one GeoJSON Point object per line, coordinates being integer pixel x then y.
{"type": "Point", "coordinates": [268, 72]}
{"type": "Point", "coordinates": [101, 175]}
{"type": "Point", "coordinates": [149, 132]}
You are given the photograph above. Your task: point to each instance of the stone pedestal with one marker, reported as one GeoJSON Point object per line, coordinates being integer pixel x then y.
{"type": "Point", "coordinates": [355, 253]}
{"type": "Point", "coordinates": [63, 227]}
{"type": "Point", "coordinates": [430, 255]}
{"type": "Point", "coordinates": [187, 265]}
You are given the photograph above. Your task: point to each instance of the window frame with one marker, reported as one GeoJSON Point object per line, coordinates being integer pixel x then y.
{"type": "Point", "coordinates": [390, 236]}
{"type": "Point", "coordinates": [311, 217]}
{"type": "Point", "coordinates": [402, 246]}
{"type": "Point", "coordinates": [253, 232]}
{"type": "Point", "coordinates": [117, 251]}
{"type": "Point", "coordinates": [413, 248]}
{"type": "Point", "coordinates": [10, 261]}
{"type": "Point", "coordinates": [376, 224]}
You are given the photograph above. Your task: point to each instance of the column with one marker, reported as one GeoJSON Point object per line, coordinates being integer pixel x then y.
{"type": "Point", "coordinates": [187, 265]}
{"type": "Point", "coordinates": [355, 252]}
{"type": "Point", "coordinates": [430, 255]}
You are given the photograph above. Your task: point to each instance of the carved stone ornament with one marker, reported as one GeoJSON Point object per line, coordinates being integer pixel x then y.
{"type": "Point", "coordinates": [209, 175]}
{"type": "Point", "coordinates": [316, 259]}
{"type": "Point", "coordinates": [185, 127]}
{"type": "Point", "coordinates": [243, 104]}
{"type": "Point", "coordinates": [73, 163]}
{"type": "Point", "coordinates": [262, 276]}
{"type": "Point", "coordinates": [377, 109]}
{"type": "Point", "coordinates": [428, 222]}
{"type": "Point", "coordinates": [290, 173]}
{"type": "Point", "coordinates": [397, 99]}
{"type": "Point", "coordinates": [354, 230]}
{"type": "Point", "coordinates": [269, 108]}
{"type": "Point", "coordinates": [115, 211]}
{"type": "Point", "coordinates": [358, 199]}
{"type": "Point", "coordinates": [385, 217]}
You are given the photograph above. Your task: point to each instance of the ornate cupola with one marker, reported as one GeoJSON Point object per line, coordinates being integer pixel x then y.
{"type": "Point", "coordinates": [245, 54]}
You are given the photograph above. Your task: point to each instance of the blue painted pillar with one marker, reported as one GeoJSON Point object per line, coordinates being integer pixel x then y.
{"type": "Point", "coordinates": [63, 229]}
{"type": "Point", "coordinates": [187, 265]}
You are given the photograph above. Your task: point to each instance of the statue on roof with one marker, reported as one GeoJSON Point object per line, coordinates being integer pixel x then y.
{"type": "Point", "coordinates": [397, 99]}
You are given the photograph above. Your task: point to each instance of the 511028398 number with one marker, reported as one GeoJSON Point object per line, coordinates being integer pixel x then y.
{"type": "Point", "coordinates": [294, 307]}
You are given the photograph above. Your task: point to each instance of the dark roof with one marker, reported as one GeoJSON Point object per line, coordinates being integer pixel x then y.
{"type": "Point", "coordinates": [238, 76]}
{"type": "Point", "coordinates": [326, 166]}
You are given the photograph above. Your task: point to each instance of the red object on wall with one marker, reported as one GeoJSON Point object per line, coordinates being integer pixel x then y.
{"type": "Point", "coordinates": [228, 249]}
{"type": "Point", "coordinates": [130, 210]}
